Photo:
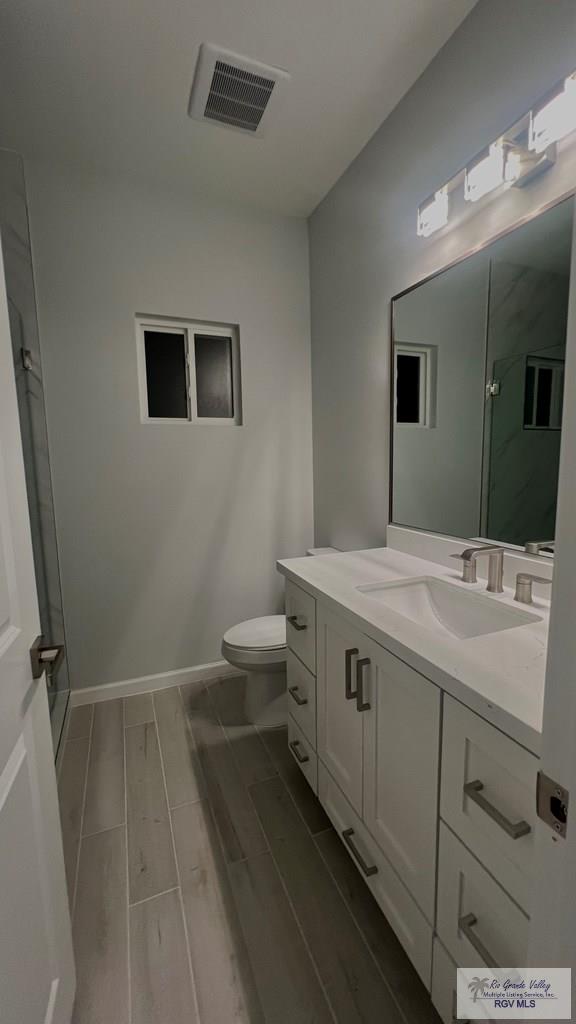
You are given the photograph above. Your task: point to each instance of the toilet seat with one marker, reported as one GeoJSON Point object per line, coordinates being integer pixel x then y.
{"type": "Point", "coordinates": [267, 633]}
{"type": "Point", "coordinates": [257, 644]}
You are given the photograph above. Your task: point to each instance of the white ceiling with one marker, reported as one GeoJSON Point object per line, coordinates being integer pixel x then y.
{"type": "Point", "coordinates": [105, 84]}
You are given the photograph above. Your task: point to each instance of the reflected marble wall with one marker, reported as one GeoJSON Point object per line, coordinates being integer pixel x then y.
{"type": "Point", "coordinates": [18, 269]}
{"type": "Point", "coordinates": [527, 315]}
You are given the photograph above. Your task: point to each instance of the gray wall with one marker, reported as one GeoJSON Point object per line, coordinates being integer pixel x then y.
{"type": "Point", "coordinates": [168, 533]}
{"type": "Point", "coordinates": [364, 247]}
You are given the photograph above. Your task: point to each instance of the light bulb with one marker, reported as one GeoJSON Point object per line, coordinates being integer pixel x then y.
{"type": "Point", "coordinates": [555, 119]}
{"type": "Point", "coordinates": [486, 175]}
{"type": "Point", "coordinates": [433, 214]}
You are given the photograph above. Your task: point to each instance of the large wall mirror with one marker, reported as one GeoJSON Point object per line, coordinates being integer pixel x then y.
{"type": "Point", "coordinates": [478, 354]}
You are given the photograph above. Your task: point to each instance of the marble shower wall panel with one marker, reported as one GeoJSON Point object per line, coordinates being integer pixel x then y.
{"type": "Point", "coordinates": [18, 269]}
{"type": "Point", "coordinates": [528, 315]}
{"type": "Point", "coordinates": [528, 310]}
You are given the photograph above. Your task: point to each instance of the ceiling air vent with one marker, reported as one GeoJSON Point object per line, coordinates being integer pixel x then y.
{"type": "Point", "coordinates": [233, 91]}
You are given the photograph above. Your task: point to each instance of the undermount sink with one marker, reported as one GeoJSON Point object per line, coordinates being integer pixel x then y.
{"type": "Point", "coordinates": [447, 609]}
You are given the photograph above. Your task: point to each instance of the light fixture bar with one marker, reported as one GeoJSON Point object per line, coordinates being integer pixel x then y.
{"type": "Point", "coordinates": [524, 152]}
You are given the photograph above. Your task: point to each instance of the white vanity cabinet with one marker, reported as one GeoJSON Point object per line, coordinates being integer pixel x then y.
{"type": "Point", "coordinates": [435, 805]}
{"type": "Point", "coordinates": [379, 737]}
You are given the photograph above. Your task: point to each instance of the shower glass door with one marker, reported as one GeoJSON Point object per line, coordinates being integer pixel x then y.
{"type": "Point", "coordinates": [16, 248]}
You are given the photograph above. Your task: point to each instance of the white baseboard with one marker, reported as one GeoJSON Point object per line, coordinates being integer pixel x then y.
{"type": "Point", "coordinates": [146, 684]}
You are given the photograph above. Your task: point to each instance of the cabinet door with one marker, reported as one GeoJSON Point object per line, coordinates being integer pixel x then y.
{"type": "Point", "coordinates": [401, 763]}
{"type": "Point", "coordinates": [339, 724]}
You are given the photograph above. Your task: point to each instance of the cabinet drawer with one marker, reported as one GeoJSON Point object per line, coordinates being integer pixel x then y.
{"type": "Point", "coordinates": [301, 624]}
{"type": "Point", "coordinates": [444, 985]}
{"type": "Point", "coordinates": [488, 797]}
{"type": "Point", "coordinates": [402, 913]}
{"type": "Point", "coordinates": [302, 696]}
{"type": "Point", "coordinates": [303, 753]}
{"type": "Point", "coordinates": [476, 920]}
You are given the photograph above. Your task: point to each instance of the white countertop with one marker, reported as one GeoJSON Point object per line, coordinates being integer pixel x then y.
{"type": "Point", "coordinates": [499, 675]}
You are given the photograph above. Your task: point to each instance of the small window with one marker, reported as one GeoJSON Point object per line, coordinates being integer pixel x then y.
{"type": "Point", "coordinates": [415, 372]}
{"type": "Point", "coordinates": [189, 372]}
{"type": "Point", "coordinates": [543, 394]}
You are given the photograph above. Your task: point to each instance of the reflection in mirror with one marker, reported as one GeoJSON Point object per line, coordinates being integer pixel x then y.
{"type": "Point", "coordinates": [479, 376]}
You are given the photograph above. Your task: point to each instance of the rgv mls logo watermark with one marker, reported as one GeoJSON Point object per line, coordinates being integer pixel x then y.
{"type": "Point", "coordinates": [514, 993]}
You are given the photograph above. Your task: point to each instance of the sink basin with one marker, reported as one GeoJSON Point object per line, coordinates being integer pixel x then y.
{"type": "Point", "coordinates": [445, 608]}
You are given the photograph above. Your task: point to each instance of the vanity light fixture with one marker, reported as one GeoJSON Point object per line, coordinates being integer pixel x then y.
{"type": "Point", "coordinates": [521, 154]}
{"type": "Point", "coordinates": [554, 119]}
{"type": "Point", "coordinates": [486, 174]}
{"type": "Point", "coordinates": [433, 214]}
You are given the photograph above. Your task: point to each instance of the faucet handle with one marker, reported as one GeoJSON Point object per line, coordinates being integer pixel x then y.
{"type": "Point", "coordinates": [468, 567]}
{"type": "Point", "coordinates": [524, 581]}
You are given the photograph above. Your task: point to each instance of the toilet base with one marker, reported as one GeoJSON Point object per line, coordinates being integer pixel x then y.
{"type": "Point", "coordinates": [265, 699]}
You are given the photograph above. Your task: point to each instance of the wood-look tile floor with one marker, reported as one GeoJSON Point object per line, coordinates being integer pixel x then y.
{"type": "Point", "coordinates": [207, 885]}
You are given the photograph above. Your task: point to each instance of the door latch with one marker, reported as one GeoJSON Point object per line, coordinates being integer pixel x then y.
{"type": "Point", "coordinates": [492, 389]}
{"type": "Point", "coordinates": [45, 658]}
{"type": "Point", "coordinates": [552, 804]}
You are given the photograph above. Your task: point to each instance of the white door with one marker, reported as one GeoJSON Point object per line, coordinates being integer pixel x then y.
{"type": "Point", "coordinates": [553, 917]}
{"type": "Point", "coordinates": [37, 978]}
{"type": "Point", "coordinates": [401, 758]}
{"type": "Point", "coordinates": [339, 722]}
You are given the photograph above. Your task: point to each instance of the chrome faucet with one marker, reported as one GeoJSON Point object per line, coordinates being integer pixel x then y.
{"type": "Point", "coordinates": [495, 566]}
{"type": "Point", "coordinates": [524, 581]}
{"type": "Point", "coordinates": [534, 547]}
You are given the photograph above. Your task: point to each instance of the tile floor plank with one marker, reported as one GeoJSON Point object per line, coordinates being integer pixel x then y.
{"type": "Point", "coordinates": [235, 816]}
{"type": "Point", "coordinates": [161, 984]}
{"type": "Point", "coordinates": [138, 709]}
{"type": "Point", "coordinates": [184, 781]}
{"type": "Point", "coordinates": [100, 930]}
{"type": "Point", "coordinates": [225, 984]}
{"type": "Point", "coordinates": [253, 760]}
{"type": "Point", "coordinates": [151, 864]}
{"type": "Point", "coordinates": [71, 785]}
{"type": "Point", "coordinates": [276, 742]}
{"type": "Point", "coordinates": [105, 806]}
{"type": "Point", "coordinates": [357, 992]}
{"type": "Point", "coordinates": [80, 722]}
{"type": "Point", "coordinates": [288, 986]}
{"type": "Point", "coordinates": [406, 986]}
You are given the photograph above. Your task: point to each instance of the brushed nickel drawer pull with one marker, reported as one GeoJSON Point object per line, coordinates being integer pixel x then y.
{"type": "Point", "coordinates": [350, 653]}
{"type": "Point", "coordinates": [466, 925]}
{"type": "Point", "coordinates": [293, 620]}
{"type": "Point", "coordinates": [367, 869]}
{"type": "Point", "coordinates": [514, 829]}
{"type": "Point", "coordinates": [361, 704]}
{"type": "Point", "coordinates": [295, 748]}
{"type": "Point", "coordinates": [301, 701]}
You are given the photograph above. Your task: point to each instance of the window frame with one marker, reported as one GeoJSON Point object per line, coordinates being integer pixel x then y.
{"type": "Point", "coordinates": [189, 328]}
{"type": "Point", "coordinates": [557, 368]}
{"type": "Point", "coordinates": [426, 354]}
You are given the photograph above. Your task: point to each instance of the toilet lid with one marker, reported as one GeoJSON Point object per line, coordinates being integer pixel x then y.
{"type": "Point", "coordinates": [258, 634]}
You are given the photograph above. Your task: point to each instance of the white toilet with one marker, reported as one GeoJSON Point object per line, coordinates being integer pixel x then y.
{"type": "Point", "coordinates": [258, 647]}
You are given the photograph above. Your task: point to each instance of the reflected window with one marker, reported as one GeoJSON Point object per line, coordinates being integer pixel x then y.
{"type": "Point", "coordinates": [415, 384]}
{"type": "Point", "coordinates": [543, 393]}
